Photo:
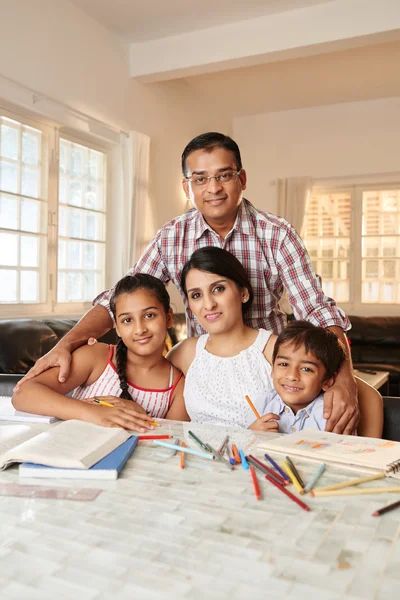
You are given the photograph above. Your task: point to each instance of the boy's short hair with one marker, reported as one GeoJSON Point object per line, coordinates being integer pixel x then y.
{"type": "Point", "coordinates": [317, 340]}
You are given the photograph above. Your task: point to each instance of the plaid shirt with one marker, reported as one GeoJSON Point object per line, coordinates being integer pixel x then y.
{"type": "Point", "coordinates": [270, 250]}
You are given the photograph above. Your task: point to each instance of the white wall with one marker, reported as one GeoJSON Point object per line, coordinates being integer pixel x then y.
{"type": "Point", "coordinates": [340, 140]}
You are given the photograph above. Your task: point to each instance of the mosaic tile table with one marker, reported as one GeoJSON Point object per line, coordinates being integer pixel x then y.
{"type": "Point", "coordinates": [160, 532]}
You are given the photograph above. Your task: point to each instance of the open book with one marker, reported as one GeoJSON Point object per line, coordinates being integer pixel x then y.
{"type": "Point", "coordinates": [348, 451]}
{"type": "Point", "coordinates": [71, 444]}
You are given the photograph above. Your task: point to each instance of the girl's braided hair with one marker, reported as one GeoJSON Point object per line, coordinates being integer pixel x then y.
{"type": "Point", "coordinates": [129, 285]}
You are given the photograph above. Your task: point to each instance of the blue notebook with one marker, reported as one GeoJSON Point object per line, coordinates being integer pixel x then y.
{"type": "Point", "coordinates": [108, 467]}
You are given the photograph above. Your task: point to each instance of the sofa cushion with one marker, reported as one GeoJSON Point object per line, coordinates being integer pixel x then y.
{"type": "Point", "coordinates": [22, 342]}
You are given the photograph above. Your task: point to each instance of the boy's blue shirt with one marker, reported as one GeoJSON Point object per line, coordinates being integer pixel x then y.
{"type": "Point", "coordinates": [310, 417]}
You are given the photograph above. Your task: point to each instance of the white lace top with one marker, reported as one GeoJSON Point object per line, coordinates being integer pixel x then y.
{"type": "Point", "coordinates": [215, 387]}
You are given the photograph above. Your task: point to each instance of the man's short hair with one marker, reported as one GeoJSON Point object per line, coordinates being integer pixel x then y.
{"type": "Point", "coordinates": [317, 340]}
{"type": "Point", "coordinates": [209, 141]}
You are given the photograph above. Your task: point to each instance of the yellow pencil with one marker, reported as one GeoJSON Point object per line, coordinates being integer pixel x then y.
{"type": "Point", "coordinates": [103, 403]}
{"type": "Point", "coordinates": [350, 482]}
{"type": "Point", "coordinates": [154, 423]}
{"type": "Point", "coordinates": [253, 408]}
{"type": "Point", "coordinates": [356, 492]}
{"type": "Point", "coordinates": [292, 477]}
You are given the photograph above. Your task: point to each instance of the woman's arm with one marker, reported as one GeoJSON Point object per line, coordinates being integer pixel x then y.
{"type": "Point", "coordinates": [371, 410]}
{"type": "Point", "coordinates": [177, 410]}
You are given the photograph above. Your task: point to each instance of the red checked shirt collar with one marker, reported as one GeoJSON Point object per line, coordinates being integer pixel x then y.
{"type": "Point", "coordinates": [243, 222]}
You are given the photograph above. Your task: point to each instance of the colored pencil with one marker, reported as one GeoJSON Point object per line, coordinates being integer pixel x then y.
{"type": "Point", "coordinates": [219, 457]}
{"type": "Point", "coordinates": [277, 467]}
{"type": "Point", "coordinates": [289, 494]}
{"type": "Point", "coordinates": [230, 454]}
{"type": "Point", "coordinates": [293, 478]}
{"type": "Point", "coordinates": [103, 402]}
{"type": "Point", "coordinates": [187, 450]}
{"type": "Point", "coordinates": [182, 461]}
{"type": "Point", "coordinates": [198, 441]}
{"type": "Point", "coordinates": [154, 423]}
{"type": "Point", "coordinates": [350, 482]}
{"type": "Point", "coordinates": [176, 442]}
{"type": "Point", "coordinates": [295, 471]}
{"type": "Point", "coordinates": [255, 482]}
{"type": "Point", "coordinates": [253, 408]}
{"type": "Point", "coordinates": [243, 459]}
{"type": "Point", "coordinates": [356, 492]}
{"type": "Point", "coordinates": [223, 445]}
{"type": "Point", "coordinates": [386, 509]}
{"type": "Point", "coordinates": [236, 453]}
{"type": "Point", "coordinates": [315, 478]}
{"type": "Point", "coordinates": [266, 470]}
{"type": "Point", "coordinates": [154, 437]}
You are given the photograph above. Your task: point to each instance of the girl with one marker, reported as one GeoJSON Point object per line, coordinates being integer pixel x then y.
{"type": "Point", "coordinates": [230, 362]}
{"type": "Point", "coordinates": [134, 376]}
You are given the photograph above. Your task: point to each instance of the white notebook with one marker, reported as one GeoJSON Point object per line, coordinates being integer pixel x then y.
{"type": "Point", "coordinates": [71, 444]}
{"type": "Point", "coordinates": [9, 413]}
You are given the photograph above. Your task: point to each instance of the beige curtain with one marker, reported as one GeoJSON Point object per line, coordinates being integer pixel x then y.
{"type": "Point", "coordinates": [292, 196]}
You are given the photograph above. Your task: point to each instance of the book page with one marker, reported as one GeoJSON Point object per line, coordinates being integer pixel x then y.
{"type": "Point", "coordinates": [12, 435]}
{"type": "Point", "coordinates": [71, 444]}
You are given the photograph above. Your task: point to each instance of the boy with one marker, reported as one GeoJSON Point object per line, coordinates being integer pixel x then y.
{"type": "Point", "coordinates": [305, 361]}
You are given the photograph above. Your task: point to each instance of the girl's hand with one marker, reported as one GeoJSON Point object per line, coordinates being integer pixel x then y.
{"type": "Point", "coordinates": [118, 402]}
{"type": "Point", "coordinates": [118, 416]}
{"type": "Point", "coordinates": [268, 422]}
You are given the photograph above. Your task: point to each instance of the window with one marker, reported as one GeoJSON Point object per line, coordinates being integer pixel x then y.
{"type": "Point", "coordinates": [353, 238]}
{"type": "Point", "coordinates": [52, 219]}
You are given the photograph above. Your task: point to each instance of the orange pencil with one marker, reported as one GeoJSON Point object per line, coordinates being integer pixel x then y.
{"type": "Point", "coordinates": [182, 456]}
{"type": "Point", "coordinates": [255, 482]}
{"type": "Point", "coordinates": [253, 408]}
{"type": "Point", "coordinates": [236, 454]}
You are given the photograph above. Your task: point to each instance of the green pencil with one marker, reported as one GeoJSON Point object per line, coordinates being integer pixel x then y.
{"type": "Point", "coordinates": [199, 442]}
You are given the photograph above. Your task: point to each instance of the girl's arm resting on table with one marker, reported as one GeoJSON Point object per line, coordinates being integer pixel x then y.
{"type": "Point", "coordinates": [177, 410]}
{"type": "Point", "coordinates": [182, 355]}
{"type": "Point", "coordinates": [45, 395]}
{"type": "Point", "coordinates": [371, 410]}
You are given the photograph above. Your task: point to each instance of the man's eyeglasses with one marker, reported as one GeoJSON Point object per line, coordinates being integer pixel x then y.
{"type": "Point", "coordinates": [225, 177]}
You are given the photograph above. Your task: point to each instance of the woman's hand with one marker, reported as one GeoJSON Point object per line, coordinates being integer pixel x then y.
{"type": "Point", "coordinates": [268, 422]}
{"type": "Point", "coordinates": [123, 415]}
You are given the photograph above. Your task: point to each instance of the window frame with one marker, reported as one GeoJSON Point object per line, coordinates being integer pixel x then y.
{"type": "Point", "coordinates": [52, 132]}
{"type": "Point", "coordinates": [355, 306]}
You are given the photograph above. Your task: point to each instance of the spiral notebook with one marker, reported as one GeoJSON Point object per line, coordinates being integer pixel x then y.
{"type": "Point", "coordinates": [347, 451]}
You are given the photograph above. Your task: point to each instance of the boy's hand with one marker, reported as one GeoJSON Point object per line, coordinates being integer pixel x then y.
{"type": "Point", "coordinates": [268, 422]}
{"type": "Point", "coordinates": [119, 416]}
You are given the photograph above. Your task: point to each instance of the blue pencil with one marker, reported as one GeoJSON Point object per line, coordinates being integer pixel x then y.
{"type": "Point", "coordinates": [277, 467]}
{"type": "Point", "coordinates": [243, 458]}
{"type": "Point", "coordinates": [315, 478]}
{"type": "Point", "coordinates": [184, 449]}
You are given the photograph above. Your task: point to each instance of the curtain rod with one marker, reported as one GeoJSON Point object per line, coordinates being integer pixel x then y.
{"type": "Point", "coordinates": [38, 96]}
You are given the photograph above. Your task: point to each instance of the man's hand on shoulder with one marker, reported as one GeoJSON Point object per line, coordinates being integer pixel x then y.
{"type": "Point", "coordinates": [59, 356]}
{"type": "Point", "coordinates": [341, 407]}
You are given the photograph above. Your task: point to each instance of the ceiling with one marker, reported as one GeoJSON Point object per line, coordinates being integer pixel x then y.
{"type": "Point", "coordinates": [139, 21]}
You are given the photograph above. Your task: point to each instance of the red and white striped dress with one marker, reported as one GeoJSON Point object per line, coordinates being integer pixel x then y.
{"type": "Point", "coordinates": [155, 402]}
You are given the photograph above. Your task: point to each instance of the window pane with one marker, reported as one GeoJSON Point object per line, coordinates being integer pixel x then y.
{"type": "Point", "coordinates": [30, 182]}
{"type": "Point", "coordinates": [30, 215]}
{"type": "Point", "coordinates": [74, 255]}
{"type": "Point", "coordinates": [29, 251]}
{"type": "Point", "coordinates": [61, 287]}
{"type": "Point", "coordinates": [8, 287]}
{"type": "Point", "coordinates": [8, 177]}
{"type": "Point", "coordinates": [29, 286]}
{"type": "Point", "coordinates": [8, 212]}
{"type": "Point", "coordinates": [88, 286]}
{"type": "Point", "coordinates": [8, 249]}
{"type": "Point", "coordinates": [75, 193]}
{"type": "Point", "coordinates": [74, 287]}
{"type": "Point", "coordinates": [89, 256]}
{"type": "Point", "coordinates": [30, 148]}
{"type": "Point", "coordinates": [62, 254]}
{"type": "Point", "coordinates": [75, 223]}
{"type": "Point", "coordinates": [9, 142]}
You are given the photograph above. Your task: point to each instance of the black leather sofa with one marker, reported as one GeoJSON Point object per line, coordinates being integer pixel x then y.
{"type": "Point", "coordinates": [375, 344]}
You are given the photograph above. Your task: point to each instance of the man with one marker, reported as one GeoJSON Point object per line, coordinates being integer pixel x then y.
{"type": "Point", "coordinates": [267, 246]}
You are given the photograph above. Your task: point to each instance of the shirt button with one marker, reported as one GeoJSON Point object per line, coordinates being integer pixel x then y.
{"type": "Point", "coordinates": [306, 416]}
{"type": "Point", "coordinates": [287, 409]}
{"type": "Point", "coordinates": [293, 428]}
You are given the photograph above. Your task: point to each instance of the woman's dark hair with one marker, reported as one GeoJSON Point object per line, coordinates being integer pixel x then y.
{"type": "Point", "coordinates": [209, 141]}
{"type": "Point", "coordinates": [316, 340]}
{"type": "Point", "coordinates": [128, 285]}
{"type": "Point", "coordinates": [221, 262]}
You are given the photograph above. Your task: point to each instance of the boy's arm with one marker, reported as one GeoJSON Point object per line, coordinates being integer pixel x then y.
{"type": "Point", "coordinates": [371, 410]}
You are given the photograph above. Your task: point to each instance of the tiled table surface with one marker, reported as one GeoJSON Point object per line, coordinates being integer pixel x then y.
{"type": "Point", "coordinates": [162, 532]}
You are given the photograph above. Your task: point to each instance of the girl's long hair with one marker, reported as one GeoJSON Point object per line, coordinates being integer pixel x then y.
{"type": "Point", "coordinates": [129, 285]}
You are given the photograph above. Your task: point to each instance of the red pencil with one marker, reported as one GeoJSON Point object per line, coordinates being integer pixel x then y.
{"type": "Point", "coordinates": [269, 471]}
{"type": "Point", "coordinates": [285, 491]}
{"type": "Point", "coordinates": [255, 482]}
{"type": "Point", "coordinates": [154, 437]}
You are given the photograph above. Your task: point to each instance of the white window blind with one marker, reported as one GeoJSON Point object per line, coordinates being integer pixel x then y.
{"type": "Point", "coordinates": [353, 238]}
